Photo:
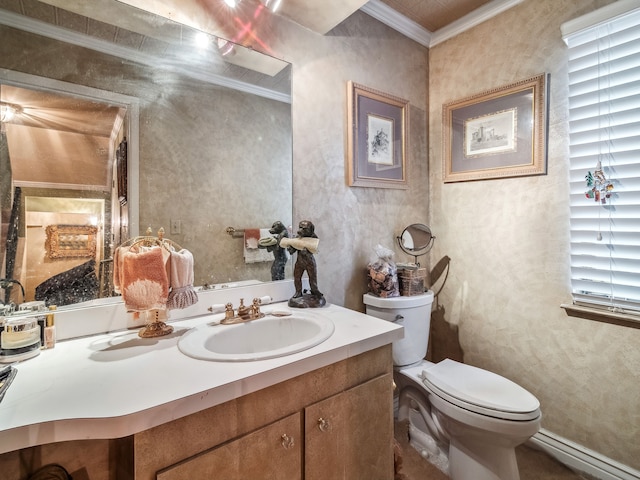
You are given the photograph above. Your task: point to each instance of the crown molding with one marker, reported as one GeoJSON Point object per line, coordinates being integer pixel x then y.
{"type": "Point", "coordinates": [390, 17]}
{"type": "Point", "coordinates": [48, 30]}
{"type": "Point", "coordinates": [478, 16]}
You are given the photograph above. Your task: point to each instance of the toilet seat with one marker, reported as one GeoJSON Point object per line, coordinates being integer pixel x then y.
{"type": "Point", "coordinates": [480, 391]}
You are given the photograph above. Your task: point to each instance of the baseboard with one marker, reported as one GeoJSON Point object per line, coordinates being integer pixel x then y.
{"type": "Point", "coordinates": [583, 461]}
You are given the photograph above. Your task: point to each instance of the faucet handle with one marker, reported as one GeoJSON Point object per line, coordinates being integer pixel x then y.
{"type": "Point", "coordinates": [255, 308]}
{"type": "Point", "coordinates": [228, 311]}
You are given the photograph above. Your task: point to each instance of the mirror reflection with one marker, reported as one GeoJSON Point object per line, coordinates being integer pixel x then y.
{"type": "Point", "coordinates": [107, 140]}
{"type": "Point", "coordinates": [416, 240]}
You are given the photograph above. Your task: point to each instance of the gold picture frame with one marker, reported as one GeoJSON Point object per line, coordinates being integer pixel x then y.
{"type": "Point", "coordinates": [71, 241]}
{"type": "Point", "coordinates": [377, 138]}
{"type": "Point", "coordinates": [499, 133]}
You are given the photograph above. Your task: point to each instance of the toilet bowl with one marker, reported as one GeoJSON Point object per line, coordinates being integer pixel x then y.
{"type": "Point", "coordinates": [465, 420]}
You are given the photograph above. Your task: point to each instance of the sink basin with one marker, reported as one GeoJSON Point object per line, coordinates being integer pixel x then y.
{"type": "Point", "coordinates": [268, 337]}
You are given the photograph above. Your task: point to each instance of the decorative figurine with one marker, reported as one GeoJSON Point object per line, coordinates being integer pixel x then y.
{"type": "Point", "coordinates": [272, 244]}
{"type": "Point", "coordinates": [306, 244]}
{"type": "Point", "coordinates": [599, 188]}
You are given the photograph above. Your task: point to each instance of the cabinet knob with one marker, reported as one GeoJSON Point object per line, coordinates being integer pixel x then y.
{"type": "Point", "coordinates": [287, 441]}
{"type": "Point", "coordinates": [323, 424]}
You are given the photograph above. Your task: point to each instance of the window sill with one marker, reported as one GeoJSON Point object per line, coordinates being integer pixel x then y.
{"type": "Point", "coordinates": [600, 315]}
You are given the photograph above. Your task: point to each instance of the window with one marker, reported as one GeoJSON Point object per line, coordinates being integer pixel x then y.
{"type": "Point", "coordinates": [604, 140]}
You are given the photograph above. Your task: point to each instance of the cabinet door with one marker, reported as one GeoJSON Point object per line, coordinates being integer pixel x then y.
{"type": "Point", "coordinates": [271, 453]}
{"type": "Point", "coordinates": [350, 436]}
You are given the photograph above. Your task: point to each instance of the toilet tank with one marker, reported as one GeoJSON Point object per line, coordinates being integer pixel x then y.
{"type": "Point", "coordinates": [414, 314]}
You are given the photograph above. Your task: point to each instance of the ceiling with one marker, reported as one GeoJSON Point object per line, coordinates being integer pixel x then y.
{"type": "Point", "coordinates": [49, 110]}
{"type": "Point", "coordinates": [434, 14]}
{"type": "Point", "coordinates": [426, 21]}
{"type": "Point", "coordinates": [47, 119]}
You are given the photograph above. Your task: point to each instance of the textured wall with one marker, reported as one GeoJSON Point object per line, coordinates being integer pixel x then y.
{"type": "Point", "coordinates": [350, 221]}
{"type": "Point", "coordinates": [509, 244]}
{"type": "Point", "coordinates": [223, 161]}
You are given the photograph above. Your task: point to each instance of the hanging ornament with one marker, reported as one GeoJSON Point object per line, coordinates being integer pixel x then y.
{"type": "Point", "coordinates": [599, 188]}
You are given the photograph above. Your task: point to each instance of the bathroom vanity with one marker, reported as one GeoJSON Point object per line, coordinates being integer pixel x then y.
{"type": "Point", "coordinates": [114, 405]}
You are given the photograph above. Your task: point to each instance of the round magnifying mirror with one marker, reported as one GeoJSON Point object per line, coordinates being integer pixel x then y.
{"type": "Point", "coordinates": [416, 239]}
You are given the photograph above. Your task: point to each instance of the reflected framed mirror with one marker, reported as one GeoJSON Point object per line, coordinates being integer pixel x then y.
{"type": "Point", "coordinates": [125, 129]}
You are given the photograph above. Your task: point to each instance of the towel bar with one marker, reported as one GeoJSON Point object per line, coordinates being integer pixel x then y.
{"type": "Point", "coordinates": [235, 232]}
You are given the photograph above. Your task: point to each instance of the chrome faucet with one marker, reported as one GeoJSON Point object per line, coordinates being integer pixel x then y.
{"type": "Point", "coordinates": [243, 314]}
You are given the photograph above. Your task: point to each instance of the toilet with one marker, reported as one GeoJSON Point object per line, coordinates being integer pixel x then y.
{"type": "Point", "coordinates": [465, 420]}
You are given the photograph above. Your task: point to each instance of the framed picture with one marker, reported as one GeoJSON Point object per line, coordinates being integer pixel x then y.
{"type": "Point", "coordinates": [498, 133]}
{"type": "Point", "coordinates": [71, 241]}
{"type": "Point", "coordinates": [377, 138]}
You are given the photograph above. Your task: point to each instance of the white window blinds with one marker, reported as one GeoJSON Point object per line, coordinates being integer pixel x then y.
{"type": "Point", "coordinates": [604, 127]}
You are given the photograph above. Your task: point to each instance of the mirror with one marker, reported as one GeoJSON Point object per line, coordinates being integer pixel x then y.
{"type": "Point", "coordinates": [416, 240]}
{"type": "Point", "coordinates": [196, 140]}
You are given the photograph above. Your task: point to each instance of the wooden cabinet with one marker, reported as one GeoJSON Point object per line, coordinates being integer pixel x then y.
{"type": "Point", "coordinates": [342, 416]}
{"type": "Point", "coordinates": [348, 436]}
{"type": "Point", "coordinates": [337, 421]}
{"type": "Point", "coordinates": [273, 452]}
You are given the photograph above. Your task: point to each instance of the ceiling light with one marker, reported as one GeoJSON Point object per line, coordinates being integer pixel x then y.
{"type": "Point", "coordinates": [8, 111]}
{"type": "Point", "coordinates": [232, 3]}
{"type": "Point", "coordinates": [201, 40]}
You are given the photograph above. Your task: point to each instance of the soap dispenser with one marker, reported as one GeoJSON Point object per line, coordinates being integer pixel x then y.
{"type": "Point", "coordinates": [50, 329]}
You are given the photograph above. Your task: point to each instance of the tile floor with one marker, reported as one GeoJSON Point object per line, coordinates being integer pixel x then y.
{"type": "Point", "coordinates": [533, 464]}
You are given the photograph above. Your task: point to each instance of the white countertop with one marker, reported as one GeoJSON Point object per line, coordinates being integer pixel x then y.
{"type": "Point", "coordinates": [117, 384]}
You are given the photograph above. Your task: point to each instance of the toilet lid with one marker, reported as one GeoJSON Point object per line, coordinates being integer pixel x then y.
{"type": "Point", "coordinates": [480, 391]}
